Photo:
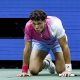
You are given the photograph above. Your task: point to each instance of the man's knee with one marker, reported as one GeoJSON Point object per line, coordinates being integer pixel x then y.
{"type": "Point", "coordinates": [60, 68]}
{"type": "Point", "coordinates": [34, 71]}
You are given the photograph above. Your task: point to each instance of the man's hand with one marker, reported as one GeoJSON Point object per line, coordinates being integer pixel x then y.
{"type": "Point", "coordinates": [23, 75]}
{"type": "Point", "coordinates": [65, 74]}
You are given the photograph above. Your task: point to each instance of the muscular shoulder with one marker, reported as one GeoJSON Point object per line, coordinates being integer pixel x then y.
{"type": "Point", "coordinates": [56, 28]}
{"type": "Point", "coordinates": [53, 20]}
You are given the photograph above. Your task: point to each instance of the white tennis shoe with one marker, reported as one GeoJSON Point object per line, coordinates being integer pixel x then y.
{"type": "Point", "coordinates": [51, 65]}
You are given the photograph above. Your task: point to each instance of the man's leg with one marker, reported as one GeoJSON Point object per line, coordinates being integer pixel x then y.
{"type": "Point", "coordinates": [38, 53]}
{"type": "Point", "coordinates": [36, 61]}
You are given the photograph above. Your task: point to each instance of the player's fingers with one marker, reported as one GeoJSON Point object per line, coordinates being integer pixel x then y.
{"type": "Point", "coordinates": [23, 75]}
{"type": "Point", "coordinates": [64, 75]}
{"type": "Point", "coordinates": [19, 75]}
{"type": "Point", "coordinates": [60, 75]}
{"type": "Point", "coordinates": [27, 75]}
{"type": "Point", "coordinates": [68, 75]}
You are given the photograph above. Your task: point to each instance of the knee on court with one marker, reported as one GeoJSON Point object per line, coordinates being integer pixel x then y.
{"type": "Point", "coordinates": [60, 69]}
{"type": "Point", "coordinates": [33, 71]}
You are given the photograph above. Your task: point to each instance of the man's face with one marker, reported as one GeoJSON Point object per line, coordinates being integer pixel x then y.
{"type": "Point", "coordinates": [39, 26]}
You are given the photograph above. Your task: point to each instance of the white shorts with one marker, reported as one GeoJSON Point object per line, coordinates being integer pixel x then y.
{"type": "Point", "coordinates": [38, 45]}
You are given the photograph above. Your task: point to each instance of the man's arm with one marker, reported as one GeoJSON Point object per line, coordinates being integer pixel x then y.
{"type": "Point", "coordinates": [65, 48]}
{"type": "Point", "coordinates": [62, 38]}
{"type": "Point", "coordinates": [26, 57]}
{"type": "Point", "coordinates": [66, 53]}
{"type": "Point", "coordinates": [67, 59]}
{"type": "Point", "coordinates": [26, 53]}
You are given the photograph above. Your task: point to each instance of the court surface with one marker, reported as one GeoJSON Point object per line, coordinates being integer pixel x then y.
{"type": "Point", "coordinates": [10, 74]}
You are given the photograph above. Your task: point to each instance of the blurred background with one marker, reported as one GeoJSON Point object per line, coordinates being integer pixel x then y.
{"type": "Point", "coordinates": [13, 17]}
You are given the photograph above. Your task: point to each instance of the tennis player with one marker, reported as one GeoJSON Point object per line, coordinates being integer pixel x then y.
{"type": "Point", "coordinates": [42, 34]}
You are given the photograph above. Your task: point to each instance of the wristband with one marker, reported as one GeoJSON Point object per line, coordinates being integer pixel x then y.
{"type": "Point", "coordinates": [25, 68]}
{"type": "Point", "coordinates": [68, 67]}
